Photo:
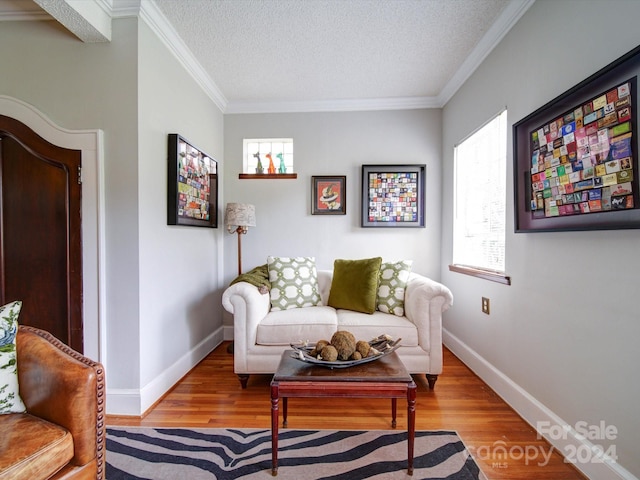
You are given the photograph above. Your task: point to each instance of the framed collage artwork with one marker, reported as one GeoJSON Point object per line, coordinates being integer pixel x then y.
{"type": "Point", "coordinates": [393, 195]}
{"type": "Point", "coordinates": [192, 185]}
{"type": "Point", "coordinates": [328, 195]}
{"type": "Point", "coordinates": [576, 158]}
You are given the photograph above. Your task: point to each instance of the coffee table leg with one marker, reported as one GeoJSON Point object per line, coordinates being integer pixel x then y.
{"type": "Point", "coordinates": [274, 428]}
{"type": "Point", "coordinates": [411, 421]}
{"type": "Point", "coordinates": [284, 412]}
{"type": "Point", "coordinates": [394, 405]}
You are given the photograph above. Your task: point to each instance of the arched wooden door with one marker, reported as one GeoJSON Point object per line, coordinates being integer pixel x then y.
{"type": "Point", "coordinates": [40, 231]}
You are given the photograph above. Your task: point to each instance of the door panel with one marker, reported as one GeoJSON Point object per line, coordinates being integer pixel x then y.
{"type": "Point", "coordinates": [41, 259]}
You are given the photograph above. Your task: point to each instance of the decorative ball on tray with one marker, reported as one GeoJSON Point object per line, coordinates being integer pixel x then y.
{"type": "Point", "coordinates": [343, 350]}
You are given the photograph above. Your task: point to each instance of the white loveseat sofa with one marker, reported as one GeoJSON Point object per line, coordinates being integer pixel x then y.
{"type": "Point", "coordinates": [261, 335]}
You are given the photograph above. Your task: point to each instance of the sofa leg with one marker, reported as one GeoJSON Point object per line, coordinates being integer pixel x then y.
{"type": "Point", "coordinates": [244, 378]}
{"type": "Point", "coordinates": [432, 380]}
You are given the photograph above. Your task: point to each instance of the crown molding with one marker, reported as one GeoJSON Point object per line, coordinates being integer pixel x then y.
{"type": "Point", "coordinates": [106, 6]}
{"type": "Point", "coordinates": [505, 22]}
{"type": "Point", "coordinates": [153, 17]}
{"type": "Point", "coordinates": [122, 8]}
{"type": "Point", "coordinates": [344, 105]}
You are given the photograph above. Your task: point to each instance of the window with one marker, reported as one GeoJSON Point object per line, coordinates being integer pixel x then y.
{"type": "Point", "coordinates": [480, 199]}
{"type": "Point", "coordinates": [261, 153]}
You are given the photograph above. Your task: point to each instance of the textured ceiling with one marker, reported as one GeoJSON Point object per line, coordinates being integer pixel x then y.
{"type": "Point", "coordinates": [306, 55]}
{"type": "Point", "coordinates": [328, 50]}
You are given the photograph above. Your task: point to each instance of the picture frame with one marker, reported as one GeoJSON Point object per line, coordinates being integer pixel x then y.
{"type": "Point", "coordinates": [587, 177]}
{"type": "Point", "coordinates": [328, 195]}
{"type": "Point", "coordinates": [192, 197]}
{"type": "Point", "coordinates": [393, 195]}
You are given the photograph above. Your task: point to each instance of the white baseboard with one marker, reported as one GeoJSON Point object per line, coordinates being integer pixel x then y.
{"type": "Point", "coordinates": [596, 466]}
{"type": "Point", "coordinates": [133, 402]}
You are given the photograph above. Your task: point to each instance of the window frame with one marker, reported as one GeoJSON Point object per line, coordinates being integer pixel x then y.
{"type": "Point", "coordinates": [486, 273]}
{"type": "Point", "coordinates": [247, 162]}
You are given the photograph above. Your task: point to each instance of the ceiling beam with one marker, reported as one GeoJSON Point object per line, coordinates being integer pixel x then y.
{"type": "Point", "coordinates": [86, 19]}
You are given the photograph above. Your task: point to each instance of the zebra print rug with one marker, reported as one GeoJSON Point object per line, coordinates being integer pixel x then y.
{"type": "Point", "coordinates": [225, 454]}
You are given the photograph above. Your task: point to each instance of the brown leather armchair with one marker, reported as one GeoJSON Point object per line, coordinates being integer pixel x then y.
{"type": "Point", "coordinates": [62, 435]}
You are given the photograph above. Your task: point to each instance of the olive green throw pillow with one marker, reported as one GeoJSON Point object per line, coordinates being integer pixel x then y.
{"type": "Point", "coordinates": [354, 285]}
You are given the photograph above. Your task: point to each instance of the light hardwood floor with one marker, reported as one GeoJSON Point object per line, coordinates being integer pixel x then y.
{"type": "Point", "coordinates": [502, 443]}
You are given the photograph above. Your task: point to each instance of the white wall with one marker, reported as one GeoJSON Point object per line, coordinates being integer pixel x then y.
{"type": "Point", "coordinates": [162, 283]}
{"type": "Point", "coordinates": [180, 314]}
{"type": "Point", "coordinates": [566, 330]}
{"type": "Point", "coordinates": [333, 144]}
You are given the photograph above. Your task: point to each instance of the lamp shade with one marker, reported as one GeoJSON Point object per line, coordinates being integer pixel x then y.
{"type": "Point", "coordinates": [240, 215]}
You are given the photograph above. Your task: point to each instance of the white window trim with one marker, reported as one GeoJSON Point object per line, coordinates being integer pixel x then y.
{"type": "Point", "coordinates": [246, 154]}
{"type": "Point", "coordinates": [480, 271]}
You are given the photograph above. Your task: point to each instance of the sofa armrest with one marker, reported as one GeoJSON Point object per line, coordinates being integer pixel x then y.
{"type": "Point", "coordinates": [248, 307]}
{"type": "Point", "coordinates": [425, 301]}
{"type": "Point", "coordinates": [62, 386]}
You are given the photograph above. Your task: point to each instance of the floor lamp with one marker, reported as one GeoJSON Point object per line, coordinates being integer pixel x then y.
{"type": "Point", "coordinates": [238, 218]}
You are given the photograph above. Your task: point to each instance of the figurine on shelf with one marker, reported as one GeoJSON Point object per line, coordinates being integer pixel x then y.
{"type": "Point", "coordinates": [259, 167]}
{"type": "Point", "coordinates": [282, 168]}
{"type": "Point", "coordinates": [272, 168]}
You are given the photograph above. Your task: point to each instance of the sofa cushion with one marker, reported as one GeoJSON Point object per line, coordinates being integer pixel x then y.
{"type": "Point", "coordinates": [355, 284]}
{"type": "Point", "coordinates": [10, 400]}
{"type": "Point", "coordinates": [393, 283]}
{"type": "Point", "coordinates": [31, 447]}
{"type": "Point", "coordinates": [292, 326]}
{"type": "Point", "coordinates": [294, 282]}
{"type": "Point", "coordinates": [367, 327]}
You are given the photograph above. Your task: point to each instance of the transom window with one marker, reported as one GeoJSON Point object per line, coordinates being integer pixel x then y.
{"type": "Point", "coordinates": [267, 155]}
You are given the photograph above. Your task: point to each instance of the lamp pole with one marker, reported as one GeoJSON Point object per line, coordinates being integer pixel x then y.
{"type": "Point", "coordinates": [240, 231]}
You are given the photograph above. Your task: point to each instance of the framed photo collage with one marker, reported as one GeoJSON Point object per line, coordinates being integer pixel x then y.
{"type": "Point", "coordinates": [192, 185]}
{"type": "Point", "coordinates": [576, 158]}
{"type": "Point", "coordinates": [393, 195]}
{"type": "Point", "coordinates": [582, 162]}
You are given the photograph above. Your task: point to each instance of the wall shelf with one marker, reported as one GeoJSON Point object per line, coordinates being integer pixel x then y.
{"type": "Point", "coordinates": [267, 176]}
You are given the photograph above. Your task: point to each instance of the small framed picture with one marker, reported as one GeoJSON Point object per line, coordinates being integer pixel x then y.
{"type": "Point", "coordinates": [328, 195]}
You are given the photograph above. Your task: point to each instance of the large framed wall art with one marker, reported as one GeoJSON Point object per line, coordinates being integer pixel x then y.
{"type": "Point", "coordinates": [393, 195]}
{"type": "Point", "coordinates": [192, 185]}
{"type": "Point", "coordinates": [576, 158]}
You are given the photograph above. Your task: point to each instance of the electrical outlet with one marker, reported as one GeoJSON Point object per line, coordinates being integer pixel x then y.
{"type": "Point", "coordinates": [485, 305]}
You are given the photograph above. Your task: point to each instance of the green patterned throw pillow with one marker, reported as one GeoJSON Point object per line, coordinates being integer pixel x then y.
{"type": "Point", "coordinates": [10, 401]}
{"type": "Point", "coordinates": [294, 282]}
{"type": "Point", "coordinates": [393, 283]}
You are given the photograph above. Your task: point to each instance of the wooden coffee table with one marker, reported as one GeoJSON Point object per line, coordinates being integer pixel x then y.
{"type": "Point", "coordinates": [383, 378]}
